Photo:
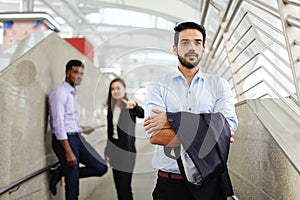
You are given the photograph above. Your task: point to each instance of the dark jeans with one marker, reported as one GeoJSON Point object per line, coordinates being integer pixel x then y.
{"type": "Point", "coordinates": [85, 154]}
{"type": "Point", "coordinates": [174, 189]}
{"type": "Point", "coordinates": [123, 184]}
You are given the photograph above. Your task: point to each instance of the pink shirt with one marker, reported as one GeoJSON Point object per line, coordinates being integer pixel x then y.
{"type": "Point", "coordinates": [63, 111]}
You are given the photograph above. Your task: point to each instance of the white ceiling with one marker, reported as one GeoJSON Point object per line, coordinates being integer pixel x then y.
{"type": "Point", "coordinates": [129, 44]}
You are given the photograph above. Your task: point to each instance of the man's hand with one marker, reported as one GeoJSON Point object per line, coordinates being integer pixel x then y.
{"type": "Point", "coordinates": [156, 122]}
{"type": "Point", "coordinates": [231, 135]}
{"type": "Point", "coordinates": [70, 157]}
{"type": "Point", "coordinates": [159, 127]}
{"type": "Point", "coordinates": [106, 158]}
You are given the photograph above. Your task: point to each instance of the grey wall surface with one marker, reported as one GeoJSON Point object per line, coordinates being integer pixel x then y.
{"type": "Point", "coordinates": [25, 139]}
{"type": "Point", "coordinates": [259, 169]}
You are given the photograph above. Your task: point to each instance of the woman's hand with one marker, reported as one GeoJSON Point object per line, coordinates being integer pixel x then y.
{"type": "Point", "coordinates": [129, 104]}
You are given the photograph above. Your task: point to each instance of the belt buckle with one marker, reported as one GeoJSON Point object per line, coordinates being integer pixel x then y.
{"type": "Point", "coordinates": [170, 175]}
{"type": "Point", "coordinates": [73, 133]}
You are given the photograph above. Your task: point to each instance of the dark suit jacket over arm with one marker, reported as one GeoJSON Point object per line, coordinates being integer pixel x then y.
{"type": "Point", "coordinates": [206, 139]}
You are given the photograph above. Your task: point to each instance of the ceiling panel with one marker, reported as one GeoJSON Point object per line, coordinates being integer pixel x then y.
{"type": "Point", "coordinates": [118, 45]}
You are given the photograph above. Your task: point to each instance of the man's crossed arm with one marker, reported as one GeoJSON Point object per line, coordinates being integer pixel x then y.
{"type": "Point", "coordinates": [161, 130]}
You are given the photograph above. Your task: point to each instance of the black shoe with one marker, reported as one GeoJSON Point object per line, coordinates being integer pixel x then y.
{"type": "Point", "coordinates": [55, 176]}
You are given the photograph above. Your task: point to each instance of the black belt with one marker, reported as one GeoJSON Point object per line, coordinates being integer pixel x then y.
{"type": "Point", "coordinates": [73, 133]}
{"type": "Point", "coordinates": [170, 175]}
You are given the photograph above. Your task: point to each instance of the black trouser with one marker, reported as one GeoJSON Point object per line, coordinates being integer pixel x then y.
{"type": "Point", "coordinates": [174, 189]}
{"type": "Point", "coordinates": [123, 184]}
{"type": "Point", "coordinates": [85, 154]}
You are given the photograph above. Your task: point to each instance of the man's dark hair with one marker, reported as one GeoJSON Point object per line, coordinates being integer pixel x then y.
{"type": "Point", "coordinates": [180, 26]}
{"type": "Point", "coordinates": [73, 63]}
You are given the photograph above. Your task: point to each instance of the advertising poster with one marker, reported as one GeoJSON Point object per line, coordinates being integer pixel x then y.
{"type": "Point", "coordinates": [15, 31]}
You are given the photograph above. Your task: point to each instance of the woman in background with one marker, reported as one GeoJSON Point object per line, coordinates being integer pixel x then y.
{"type": "Point", "coordinates": [120, 151]}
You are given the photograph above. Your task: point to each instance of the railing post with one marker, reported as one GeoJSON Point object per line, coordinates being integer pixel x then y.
{"type": "Point", "coordinates": [226, 32]}
{"type": "Point", "coordinates": [288, 9]}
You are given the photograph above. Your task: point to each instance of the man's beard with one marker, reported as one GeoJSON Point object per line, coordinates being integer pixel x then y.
{"type": "Point", "coordinates": [186, 63]}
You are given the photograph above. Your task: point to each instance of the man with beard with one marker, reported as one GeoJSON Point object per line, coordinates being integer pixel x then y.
{"type": "Point", "coordinates": [67, 142]}
{"type": "Point", "coordinates": [185, 90]}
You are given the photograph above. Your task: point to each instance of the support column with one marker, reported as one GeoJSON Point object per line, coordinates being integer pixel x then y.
{"type": "Point", "coordinates": [26, 5]}
{"type": "Point", "coordinates": [289, 9]}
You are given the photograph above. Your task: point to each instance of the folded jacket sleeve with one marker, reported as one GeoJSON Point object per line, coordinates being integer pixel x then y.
{"type": "Point", "coordinates": [206, 139]}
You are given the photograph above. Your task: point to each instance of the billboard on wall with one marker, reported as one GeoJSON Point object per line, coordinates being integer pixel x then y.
{"type": "Point", "coordinates": [14, 30]}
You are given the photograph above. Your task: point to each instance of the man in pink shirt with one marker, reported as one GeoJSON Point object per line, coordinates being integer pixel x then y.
{"type": "Point", "coordinates": [67, 142]}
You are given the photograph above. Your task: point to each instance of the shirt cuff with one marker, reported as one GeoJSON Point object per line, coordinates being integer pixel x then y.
{"type": "Point", "coordinates": [62, 136]}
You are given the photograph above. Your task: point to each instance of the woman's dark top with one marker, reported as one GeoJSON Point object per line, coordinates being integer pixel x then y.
{"type": "Point", "coordinates": [122, 151]}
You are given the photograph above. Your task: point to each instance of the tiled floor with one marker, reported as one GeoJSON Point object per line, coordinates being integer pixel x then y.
{"type": "Point", "coordinates": [142, 185]}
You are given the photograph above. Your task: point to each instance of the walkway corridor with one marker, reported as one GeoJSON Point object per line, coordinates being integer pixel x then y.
{"type": "Point", "coordinates": [142, 185]}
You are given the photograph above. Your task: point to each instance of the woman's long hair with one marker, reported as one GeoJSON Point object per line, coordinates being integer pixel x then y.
{"type": "Point", "coordinates": [111, 102]}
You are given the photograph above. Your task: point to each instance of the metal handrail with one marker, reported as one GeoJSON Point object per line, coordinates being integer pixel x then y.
{"type": "Point", "coordinates": [260, 19]}
{"type": "Point", "coordinates": [218, 42]}
{"type": "Point", "coordinates": [224, 72]}
{"type": "Point", "coordinates": [264, 7]}
{"type": "Point", "coordinates": [244, 64]}
{"type": "Point", "coordinates": [273, 12]}
{"type": "Point", "coordinates": [275, 66]}
{"type": "Point", "coordinates": [292, 2]}
{"type": "Point", "coordinates": [215, 38]}
{"type": "Point", "coordinates": [283, 99]}
{"type": "Point", "coordinates": [248, 75]}
{"type": "Point", "coordinates": [241, 38]}
{"type": "Point", "coordinates": [234, 14]}
{"type": "Point", "coordinates": [26, 178]}
{"type": "Point", "coordinates": [291, 106]}
{"type": "Point", "coordinates": [237, 26]}
{"type": "Point", "coordinates": [221, 64]}
{"type": "Point", "coordinates": [265, 22]}
{"type": "Point", "coordinates": [278, 69]}
{"type": "Point", "coordinates": [250, 88]}
{"type": "Point", "coordinates": [270, 36]}
{"type": "Point", "coordinates": [231, 48]}
{"type": "Point", "coordinates": [279, 57]}
{"type": "Point", "coordinates": [293, 21]}
{"type": "Point", "coordinates": [220, 54]}
{"type": "Point", "coordinates": [244, 49]}
{"type": "Point", "coordinates": [273, 77]}
{"type": "Point", "coordinates": [229, 7]}
{"type": "Point", "coordinates": [38, 172]}
{"type": "Point", "coordinates": [204, 12]}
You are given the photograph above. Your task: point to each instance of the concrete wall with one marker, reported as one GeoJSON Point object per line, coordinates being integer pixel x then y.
{"type": "Point", "coordinates": [258, 167]}
{"type": "Point", "coordinates": [25, 139]}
